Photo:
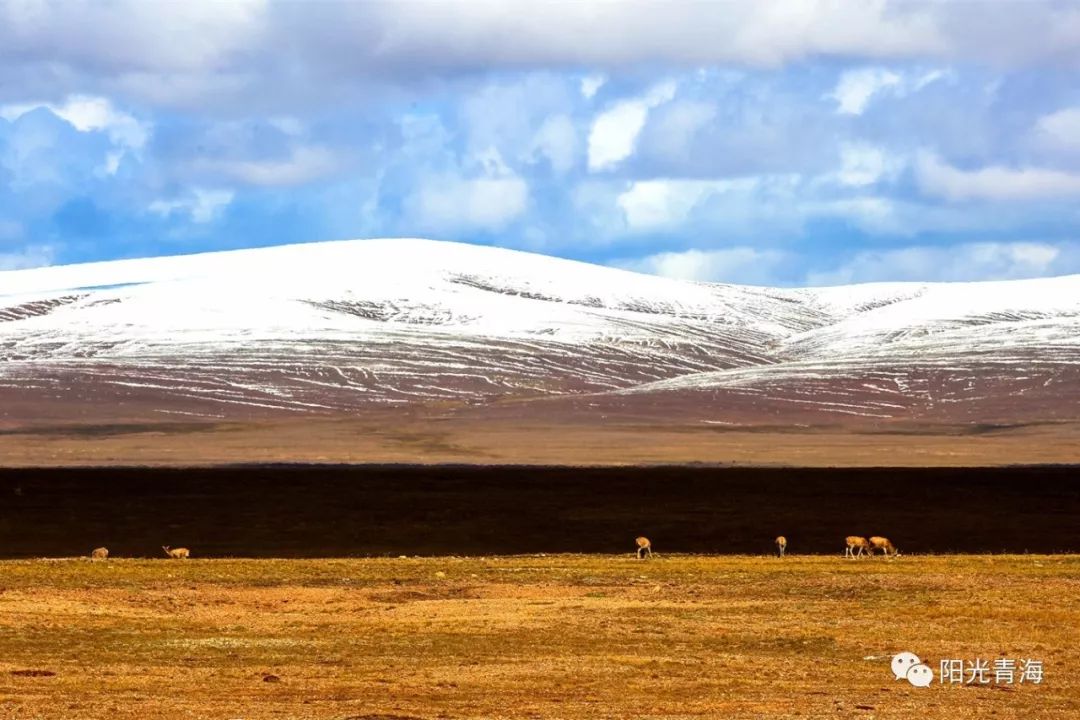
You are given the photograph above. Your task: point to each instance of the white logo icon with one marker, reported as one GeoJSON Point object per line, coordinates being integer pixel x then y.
{"type": "Point", "coordinates": [920, 675]}
{"type": "Point", "coordinates": [903, 662]}
{"type": "Point", "coordinates": [908, 666]}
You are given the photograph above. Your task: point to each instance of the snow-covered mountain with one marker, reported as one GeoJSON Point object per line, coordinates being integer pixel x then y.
{"type": "Point", "coordinates": [347, 326]}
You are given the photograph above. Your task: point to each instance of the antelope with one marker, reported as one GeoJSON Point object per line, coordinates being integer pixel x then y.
{"type": "Point", "coordinates": [854, 541]}
{"type": "Point", "coordinates": [101, 553]}
{"type": "Point", "coordinates": [884, 544]}
{"type": "Point", "coordinates": [644, 547]}
{"type": "Point", "coordinates": [781, 545]}
{"type": "Point", "coordinates": [176, 553]}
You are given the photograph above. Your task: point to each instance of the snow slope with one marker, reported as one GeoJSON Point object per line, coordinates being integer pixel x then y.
{"type": "Point", "coordinates": [344, 326]}
{"type": "Point", "coordinates": [976, 352]}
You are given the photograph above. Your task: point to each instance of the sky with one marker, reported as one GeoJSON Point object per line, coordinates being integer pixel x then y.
{"type": "Point", "coordinates": [780, 143]}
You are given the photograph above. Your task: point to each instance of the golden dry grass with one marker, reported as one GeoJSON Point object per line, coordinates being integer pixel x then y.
{"type": "Point", "coordinates": [531, 637]}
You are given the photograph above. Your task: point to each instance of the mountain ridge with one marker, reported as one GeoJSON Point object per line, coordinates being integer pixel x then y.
{"type": "Point", "coordinates": [344, 326]}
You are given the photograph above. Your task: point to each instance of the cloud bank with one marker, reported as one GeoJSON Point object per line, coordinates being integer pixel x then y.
{"type": "Point", "coordinates": [783, 142]}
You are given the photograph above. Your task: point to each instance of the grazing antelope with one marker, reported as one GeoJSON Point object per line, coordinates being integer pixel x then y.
{"type": "Point", "coordinates": [101, 553]}
{"type": "Point", "coordinates": [883, 544]}
{"type": "Point", "coordinates": [176, 553]}
{"type": "Point", "coordinates": [781, 545]}
{"type": "Point", "coordinates": [644, 547]}
{"type": "Point", "coordinates": [854, 541]}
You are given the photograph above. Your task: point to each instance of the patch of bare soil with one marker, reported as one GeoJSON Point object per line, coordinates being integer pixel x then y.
{"type": "Point", "coordinates": [510, 435]}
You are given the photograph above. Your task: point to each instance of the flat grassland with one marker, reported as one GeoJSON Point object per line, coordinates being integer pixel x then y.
{"type": "Point", "coordinates": [398, 438]}
{"type": "Point", "coordinates": [559, 636]}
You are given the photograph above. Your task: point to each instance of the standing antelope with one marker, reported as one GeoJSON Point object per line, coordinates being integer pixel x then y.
{"type": "Point", "coordinates": [884, 544]}
{"type": "Point", "coordinates": [854, 541]}
{"type": "Point", "coordinates": [781, 545]}
{"type": "Point", "coordinates": [101, 553]}
{"type": "Point", "coordinates": [644, 547]}
{"type": "Point", "coordinates": [176, 553]}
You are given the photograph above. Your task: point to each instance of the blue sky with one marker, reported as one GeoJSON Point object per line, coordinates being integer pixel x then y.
{"type": "Point", "coordinates": [782, 143]}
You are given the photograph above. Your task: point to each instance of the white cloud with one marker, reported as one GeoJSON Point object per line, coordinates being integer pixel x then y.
{"type": "Point", "coordinates": [778, 32]}
{"type": "Point", "coordinates": [673, 127]}
{"type": "Point", "coordinates": [1059, 130]}
{"type": "Point", "coordinates": [856, 87]}
{"type": "Point", "coordinates": [30, 257]}
{"type": "Point", "coordinates": [765, 206]}
{"type": "Point", "coordinates": [89, 114]}
{"type": "Point", "coordinates": [937, 178]}
{"type": "Point", "coordinates": [929, 77]}
{"type": "Point", "coordinates": [745, 265]}
{"type": "Point", "coordinates": [862, 165]}
{"type": "Point", "coordinates": [960, 262]}
{"type": "Point", "coordinates": [871, 213]}
{"type": "Point", "coordinates": [505, 113]}
{"type": "Point", "coordinates": [598, 218]}
{"type": "Point", "coordinates": [221, 91]}
{"type": "Point", "coordinates": [281, 54]}
{"type": "Point", "coordinates": [614, 134]}
{"type": "Point", "coordinates": [615, 131]}
{"type": "Point", "coordinates": [489, 201]}
{"type": "Point", "coordinates": [112, 163]}
{"type": "Point", "coordinates": [591, 84]}
{"type": "Point", "coordinates": [481, 203]}
{"type": "Point", "coordinates": [557, 141]}
{"type": "Point", "coordinates": [93, 114]}
{"type": "Point", "coordinates": [656, 204]}
{"type": "Point", "coordinates": [467, 33]}
{"type": "Point", "coordinates": [490, 162]}
{"type": "Point", "coordinates": [661, 93]}
{"type": "Point", "coordinates": [131, 35]}
{"type": "Point", "coordinates": [305, 163]}
{"type": "Point", "coordinates": [201, 204]}
{"type": "Point", "coordinates": [964, 262]}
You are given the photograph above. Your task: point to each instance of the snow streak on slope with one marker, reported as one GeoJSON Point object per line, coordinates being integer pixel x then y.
{"type": "Point", "coordinates": [964, 351]}
{"type": "Point", "coordinates": [344, 326]}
